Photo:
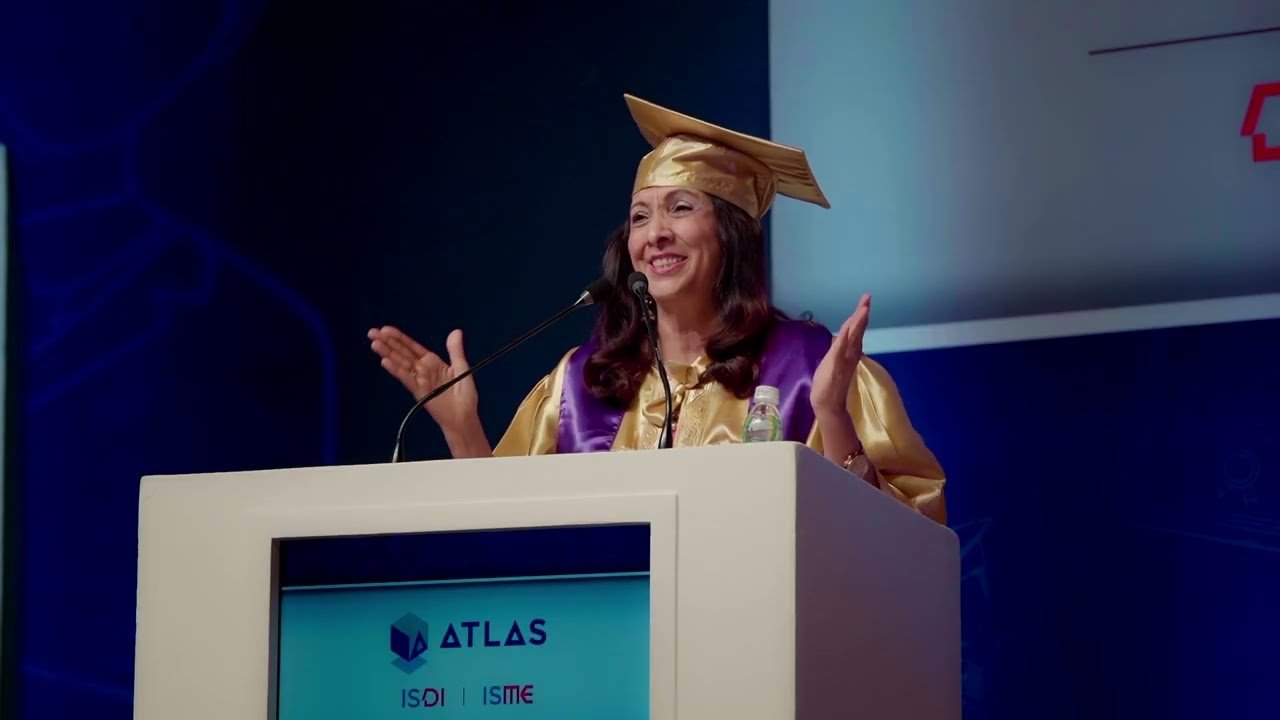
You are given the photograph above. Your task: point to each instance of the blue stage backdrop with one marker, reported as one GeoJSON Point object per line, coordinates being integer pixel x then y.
{"type": "Point", "coordinates": [213, 200]}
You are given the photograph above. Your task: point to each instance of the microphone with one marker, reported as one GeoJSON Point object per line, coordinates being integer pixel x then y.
{"type": "Point", "coordinates": [639, 285]}
{"type": "Point", "coordinates": [594, 293]}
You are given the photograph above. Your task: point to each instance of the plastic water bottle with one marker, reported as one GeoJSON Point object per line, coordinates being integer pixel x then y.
{"type": "Point", "coordinates": [763, 423]}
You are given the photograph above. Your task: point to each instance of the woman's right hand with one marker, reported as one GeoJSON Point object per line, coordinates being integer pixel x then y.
{"type": "Point", "coordinates": [421, 371]}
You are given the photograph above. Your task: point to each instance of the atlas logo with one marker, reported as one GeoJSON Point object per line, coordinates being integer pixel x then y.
{"type": "Point", "coordinates": [409, 642]}
{"type": "Point", "coordinates": [1261, 151]}
{"type": "Point", "coordinates": [410, 639]}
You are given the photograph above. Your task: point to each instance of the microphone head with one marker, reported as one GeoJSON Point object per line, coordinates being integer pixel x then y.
{"type": "Point", "coordinates": [638, 283]}
{"type": "Point", "coordinates": [594, 293]}
{"type": "Point", "coordinates": [599, 289]}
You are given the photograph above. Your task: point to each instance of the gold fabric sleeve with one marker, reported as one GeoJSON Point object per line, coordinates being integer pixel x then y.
{"type": "Point", "coordinates": [906, 468]}
{"type": "Point", "coordinates": [534, 427]}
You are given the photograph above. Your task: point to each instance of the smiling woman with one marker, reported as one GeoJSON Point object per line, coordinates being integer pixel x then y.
{"type": "Point", "coordinates": [694, 231]}
{"type": "Point", "coordinates": [680, 239]}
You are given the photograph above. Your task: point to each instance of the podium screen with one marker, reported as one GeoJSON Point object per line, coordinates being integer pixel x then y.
{"type": "Point", "coordinates": [537, 623]}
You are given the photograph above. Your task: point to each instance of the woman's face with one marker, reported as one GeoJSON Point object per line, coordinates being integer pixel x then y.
{"type": "Point", "coordinates": [675, 241]}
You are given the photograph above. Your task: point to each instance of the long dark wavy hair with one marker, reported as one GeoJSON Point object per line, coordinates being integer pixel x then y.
{"type": "Point", "coordinates": [623, 357]}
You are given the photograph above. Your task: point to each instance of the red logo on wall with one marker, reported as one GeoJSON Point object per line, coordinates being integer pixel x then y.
{"type": "Point", "coordinates": [1261, 152]}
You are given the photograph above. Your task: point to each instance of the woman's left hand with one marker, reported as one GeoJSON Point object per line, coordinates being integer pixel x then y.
{"type": "Point", "coordinates": [835, 373]}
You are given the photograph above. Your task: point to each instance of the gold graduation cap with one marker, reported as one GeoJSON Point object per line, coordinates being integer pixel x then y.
{"type": "Point", "coordinates": [744, 170]}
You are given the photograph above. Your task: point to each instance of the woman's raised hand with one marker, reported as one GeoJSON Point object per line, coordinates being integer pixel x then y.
{"type": "Point", "coordinates": [421, 371]}
{"type": "Point", "coordinates": [834, 374]}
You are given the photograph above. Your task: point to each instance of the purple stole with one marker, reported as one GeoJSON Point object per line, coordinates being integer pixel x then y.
{"type": "Point", "coordinates": [791, 355]}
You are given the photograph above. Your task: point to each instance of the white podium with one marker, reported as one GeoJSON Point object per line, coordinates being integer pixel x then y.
{"type": "Point", "coordinates": [780, 585]}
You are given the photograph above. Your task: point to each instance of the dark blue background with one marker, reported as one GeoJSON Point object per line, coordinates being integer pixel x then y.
{"type": "Point", "coordinates": [212, 201]}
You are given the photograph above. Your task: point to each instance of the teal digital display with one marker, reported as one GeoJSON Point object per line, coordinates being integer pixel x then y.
{"type": "Point", "coordinates": [501, 639]}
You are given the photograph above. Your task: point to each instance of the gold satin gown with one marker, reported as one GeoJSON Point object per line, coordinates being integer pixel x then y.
{"type": "Point", "coordinates": [705, 413]}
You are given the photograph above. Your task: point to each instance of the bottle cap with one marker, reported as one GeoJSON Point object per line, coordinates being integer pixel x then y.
{"type": "Point", "coordinates": [766, 394]}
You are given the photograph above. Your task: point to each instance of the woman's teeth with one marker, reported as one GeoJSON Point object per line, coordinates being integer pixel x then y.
{"type": "Point", "coordinates": [667, 263]}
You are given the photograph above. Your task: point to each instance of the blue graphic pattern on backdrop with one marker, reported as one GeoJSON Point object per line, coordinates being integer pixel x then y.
{"type": "Point", "coordinates": [213, 200]}
{"type": "Point", "coordinates": [1117, 506]}
{"type": "Point", "coordinates": [115, 284]}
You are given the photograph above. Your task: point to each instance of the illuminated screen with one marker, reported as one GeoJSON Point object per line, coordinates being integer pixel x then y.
{"type": "Point", "coordinates": [537, 623]}
{"type": "Point", "coordinates": [999, 159]}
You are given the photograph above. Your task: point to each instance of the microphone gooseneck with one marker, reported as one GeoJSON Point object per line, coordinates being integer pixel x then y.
{"type": "Point", "coordinates": [593, 293]}
{"type": "Point", "coordinates": [639, 285]}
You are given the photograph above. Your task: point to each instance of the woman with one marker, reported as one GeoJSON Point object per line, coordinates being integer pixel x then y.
{"type": "Point", "coordinates": [694, 231]}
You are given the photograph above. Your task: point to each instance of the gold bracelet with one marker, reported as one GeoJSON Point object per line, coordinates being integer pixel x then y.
{"type": "Point", "coordinates": [848, 460]}
{"type": "Point", "coordinates": [859, 459]}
